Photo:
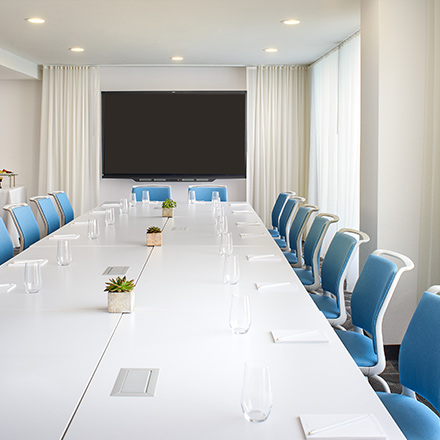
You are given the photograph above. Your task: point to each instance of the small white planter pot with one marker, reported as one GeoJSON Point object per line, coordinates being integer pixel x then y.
{"type": "Point", "coordinates": [120, 302]}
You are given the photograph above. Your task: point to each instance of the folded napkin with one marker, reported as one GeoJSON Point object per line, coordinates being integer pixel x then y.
{"type": "Point", "coordinates": [247, 223]}
{"type": "Point", "coordinates": [98, 211]}
{"type": "Point", "coordinates": [111, 205]}
{"type": "Point", "coordinates": [238, 204]}
{"type": "Point", "coordinates": [298, 335]}
{"type": "Point", "coordinates": [267, 257]}
{"type": "Point", "coordinates": [272, 285]}
{"type": "Point", "coordinates": [251, 234]}
{"type": "Point", "coordinates": [78, 223]}
{"type": "Point", "coordinates": [41, 262]}
{"type": "Point", "coordinates": [6, 288]}
{"type": "Point", "coordinates": [64, 237]}
{"type": "Point", "coordinates": [341, 426]}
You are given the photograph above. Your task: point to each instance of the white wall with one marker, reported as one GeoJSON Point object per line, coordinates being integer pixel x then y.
{"type": "Point", "coordinates": [171, 78]}
{"type": "Point", "coordinates": [20, 110]}
{"type": "Point", "coordinates": [393, 104]}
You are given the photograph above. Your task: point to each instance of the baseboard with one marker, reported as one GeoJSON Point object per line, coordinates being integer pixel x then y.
{"type": "Point", "coordinates": [392, 352]}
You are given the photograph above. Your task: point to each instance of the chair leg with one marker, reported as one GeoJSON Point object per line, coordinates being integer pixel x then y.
{"type": "Point", "coordinates": [382, 381]}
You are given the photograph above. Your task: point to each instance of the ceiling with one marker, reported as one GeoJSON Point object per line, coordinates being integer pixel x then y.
{"type": "Point", "coordinates": [149, 32]}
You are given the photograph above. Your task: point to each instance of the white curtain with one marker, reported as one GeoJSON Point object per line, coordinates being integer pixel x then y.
{"type": "Point", "coordinates": [70, 134]}
{"type": "Point", "coordinates": [335, 138]}
{"type": "Point", "coordinates": [278, 130]}
{"type": "Point", "coordinates": [429, 270]}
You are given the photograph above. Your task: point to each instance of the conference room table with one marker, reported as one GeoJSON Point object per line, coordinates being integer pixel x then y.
{"type": "Point", "coordinates": [62, 352]}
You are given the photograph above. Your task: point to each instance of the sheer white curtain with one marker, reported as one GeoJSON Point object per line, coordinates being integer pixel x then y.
{"type": "Point", "coordinates": [70, 127]}
{"type": "Point", "coordinates": [335, 137]}
{"type": "Point", "coordinates": [278, 130]}
{"type": "Point", "coordinates": [429, 270]}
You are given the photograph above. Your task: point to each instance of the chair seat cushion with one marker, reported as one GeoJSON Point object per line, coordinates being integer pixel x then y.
{"type": "Point", "coordinates": [359, 346]}
{"type": "Point", "coordinates": [305, 276]}
{"type": "Point", "coordinates": [291, 257]}
{"type": "Point", "coordinates": [327, 305]}
{"type": "Point", "coordinates": [280, 242]}
{"type": "Point", "coordinates": [415, 420]}
{"type": "Point", "coordinates": [274, 233]}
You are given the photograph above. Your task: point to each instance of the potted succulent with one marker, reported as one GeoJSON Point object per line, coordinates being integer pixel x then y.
{"type": "Point", "coordinates": [168, 208]}
{"type": "Point", "coordinates": [120, 295]}
{"type": "Point", "coordinates": [154, 236]}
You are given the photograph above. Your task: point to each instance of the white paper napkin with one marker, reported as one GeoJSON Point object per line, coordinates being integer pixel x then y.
{"type": "Point", "coordinates": [341, 426]}
{"type": "Point", "coordinates": [247, 223]}
{"type": "Point", "coordinates": [6, 288]}
{"type": "Point", "coordinates": [111, 205]}
{"type": "Point", "coordinates": [288, 336]}
{"type": "Point", "coordinates": [268, 257]}
{"type": "Point", "coordinates": [64, 237]}
{"type": "Point", "coordinates": [268, 286]}
{"type": "Point", "coordinates": [100, 211]}
{"type": "Point", "coordinates": [243, 211]}
{"type": "Point", "coordinates": [251, 234]}
{"type": "Point", "coordinates": [41, 262]}
{"type": "Point", "coordinates": [238, 204]}
{"type": "Point", "coordinates": [78, 223]}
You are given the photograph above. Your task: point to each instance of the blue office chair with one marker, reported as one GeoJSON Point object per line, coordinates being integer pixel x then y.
{"type": "Point", "coordinates": [369, 301]}
{"type": "Point", "coordinates": [334, 269]}
{"type": "Point", "coordinates": [48, 213]}
{"type": "Point", "coordinates": [289, 212]}
{"type": "Point", "coordinates": [6, 246]}
{"type": "Point", "coordinates": [204, 192]}
{"type": "Point", "coordinates": [64, 206]}
{"type": "Point", "coordinates": [419, 361]}
{"type": "Point", "coordinates": [277, 210]}
{"type": "Point", "coordinates": [310, 274]}
{"type": "Point", "coordinates": [25, 222]}
{"type": "Point", "coordinates": [157, 193]}
{"type": "Point", "coordinates": [295, 255]}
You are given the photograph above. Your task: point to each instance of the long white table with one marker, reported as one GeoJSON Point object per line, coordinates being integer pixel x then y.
{"type": "Point", "coordinates": [180, 325]}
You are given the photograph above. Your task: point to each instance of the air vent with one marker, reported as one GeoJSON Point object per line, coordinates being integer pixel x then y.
{"type": "Point", "coordinates": [136, 382]}
{"type": "Point", "coordinates": [116, 270]}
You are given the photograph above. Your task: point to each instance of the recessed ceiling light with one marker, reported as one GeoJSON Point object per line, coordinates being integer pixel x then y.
{"type": "Point", "coordinates": [291, 21]}
{"type": "Point", "coordinates": [76, 49]}
{"type": "Point", "coordinates": [35, 20]}
{"type": "Point", "coordinates": [271, 50]}
{"type": "Point", "coordinates": [176, 58]}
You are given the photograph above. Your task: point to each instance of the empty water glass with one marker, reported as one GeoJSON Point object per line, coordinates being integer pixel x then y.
{"type": "Point", "coordinates": [64, 252]}
{"type": "Point", "coordinates": [231, 270]}
{"type": "Point", "coordinates": [192, 197]}
{"type": "Point", "coordinates": [93, 228]}
{"type": "Point", "coordinates": [145, 196]}
{"type": "Point", "coordinates": [239, 313]}
{"type": "Point", "coordinates": [256, 395]}
{"type": "Point", "coordinates": [226, 244]}
{"type": "Point", "coordinates": [32, 277]}
{"type": "Point", "coordinates": [215, 196]}
{"type": "Point", "coordinates": [133, 200]}
{"type": "Point", "coordinates": [109, 216]}
{"type": "Point", "coordinates": [222, 225]}
{"type": "Point", "coordinates": [124, 206]}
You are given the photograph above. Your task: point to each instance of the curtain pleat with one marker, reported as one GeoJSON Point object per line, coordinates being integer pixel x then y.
{"type": "Point", "coordinates": [70, 133]}
{"type": "Point", "coordinates": [278, 130]}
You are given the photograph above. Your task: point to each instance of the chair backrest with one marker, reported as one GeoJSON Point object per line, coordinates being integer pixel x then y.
{"type": "Point", "coordinates": [278, 208]}
{"type": "Point", "coordinates": [25, 223]}
{"type": "Point", "coordinates": [337, 260]}
{"type": "Point", "coordinates": [204, 192]}
{"type": "Point", "coordinates": [6, 246]}
{"type": "Point", "coordinates": [288, 214]}
{"type": "Point", "coordinates": [372, 294]}
{"type": "Point", "coordinates": [297, 230]}
{"type": "Point", "coordinates": [64, 206]}
{"type": "Point", "coordinates": [158, 193]}
{"type": "Point", "coordinates": [419, 356]}
{"type": "Point", "coordinates": [48, 213]}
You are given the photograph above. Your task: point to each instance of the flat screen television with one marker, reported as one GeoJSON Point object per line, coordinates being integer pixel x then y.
{"type": "Point", "coordinates": [174, 136]}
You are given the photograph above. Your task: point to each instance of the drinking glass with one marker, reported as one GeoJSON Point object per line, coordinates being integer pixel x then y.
{"type": "Point", "coordinates": [215, 196]}
{"type": "Point", "coordinates": [192, 197]}
{"type": "Point", "coordinates": [222, 225]}
{"type": "Point", "coordinates": [226, 244]}
{"type": "Point", "coordinates": [64, 252]}
{"type": "Point", "coordinates": [239, 313]}
{"type": "Point", "coordinates": [145, 196]}
{"type": "Point", "coordinates": [32, 277]}
{"type": "Point", "coordinates": [93, 230]}
{"type": "Point", "coordinates": [133, 200]}
{"type": "Point", "coordinates": [124, 206]}
{"type": "Point", "coordinates": [231, 270]}
{"type": "Point", "coordinates": [256, 395]}
{"type": "Point", "coordinates": [109, 216]}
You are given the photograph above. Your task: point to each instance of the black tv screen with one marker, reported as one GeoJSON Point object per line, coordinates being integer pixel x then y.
{"type": "Point", "coordinates": [174, 135]}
